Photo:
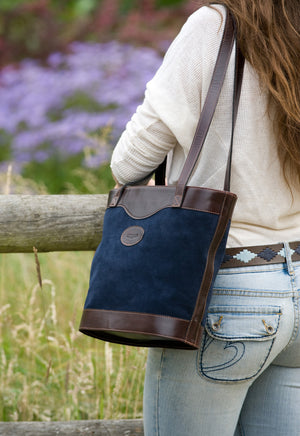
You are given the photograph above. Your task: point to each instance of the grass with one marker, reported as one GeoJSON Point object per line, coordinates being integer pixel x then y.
{"type": "Point", "coordinates": [69, 176]}
{"type": "Point", "coordinates": [48, 370]}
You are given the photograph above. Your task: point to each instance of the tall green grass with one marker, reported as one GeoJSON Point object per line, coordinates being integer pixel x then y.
{"type": "Point", "coordinates": [48, 370]}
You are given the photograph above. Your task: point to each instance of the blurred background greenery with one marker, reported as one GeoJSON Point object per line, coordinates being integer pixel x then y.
{"type": "Point", "coordinates": [34, 30]}
{"type": "Point", "coordinates": [67, 69]}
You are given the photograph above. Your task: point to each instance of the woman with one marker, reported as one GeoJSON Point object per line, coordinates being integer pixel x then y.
{"type": "Point", "coordinates": [245, 378]}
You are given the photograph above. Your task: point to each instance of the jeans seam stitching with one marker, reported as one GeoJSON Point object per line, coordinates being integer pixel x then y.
{"type": "Point", "coordinates": [158, 392]}
{"type": "Point", "coordinates": [249, 293]}
{"type": "Point", "coordinates": [296, 311]}
{"type": "Point", "coordinates": [201, 372]}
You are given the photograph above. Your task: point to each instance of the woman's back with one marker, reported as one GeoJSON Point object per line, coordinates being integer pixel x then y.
{"type": "Point", "coordinates": [268, 209]}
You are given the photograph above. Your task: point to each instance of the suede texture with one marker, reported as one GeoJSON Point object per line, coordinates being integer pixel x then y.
{"type": "Point", "coordinates": [159, 275]}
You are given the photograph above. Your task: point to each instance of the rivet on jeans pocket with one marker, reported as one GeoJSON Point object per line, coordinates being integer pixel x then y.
{"type": "Point", "coordinates": [269, 328]}
{"type": "Point", "coordinates": [217, 325]}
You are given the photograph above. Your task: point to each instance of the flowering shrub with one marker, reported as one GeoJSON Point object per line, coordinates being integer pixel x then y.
{"type": "Point", "coordinates": [36, 28]}
{"type": "Point", "coordinates": [54, 109]}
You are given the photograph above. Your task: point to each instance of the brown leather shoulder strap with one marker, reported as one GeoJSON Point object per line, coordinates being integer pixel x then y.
{"type": "Point", "coordinates": [238, 78]}
{"type": "Point", "coordinates": [208, 108]}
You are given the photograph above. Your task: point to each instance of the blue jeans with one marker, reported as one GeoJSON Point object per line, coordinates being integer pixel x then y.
{"type": "Point", "coordinates": [245, 378]}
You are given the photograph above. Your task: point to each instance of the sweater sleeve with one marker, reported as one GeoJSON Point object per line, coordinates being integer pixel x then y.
{"type": "Point", "coordinates": [172, 104]}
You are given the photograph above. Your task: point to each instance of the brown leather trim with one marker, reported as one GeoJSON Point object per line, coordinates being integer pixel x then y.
{"type": "Point", "coordinates": [195, 329]}
{"type": "Point", "coordinates": [143, 201]}
{"type": "Point", "coordinates": [131, 328]}
{"type": "Point", "coordinates": [235, 263]}
{"type": "Point", "coordinates": [208, 109]}
{"type": "Point", "coordinates": [149, 199]}
{"type": "Point", "coordinates": [231, 261]}
{"type": "Point", "coordinates": [295, 246]}
{"type": "Point", "coordinates": [132, 235]}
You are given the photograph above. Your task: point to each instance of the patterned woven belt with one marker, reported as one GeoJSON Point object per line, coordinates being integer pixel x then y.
{"type": "Point", "coordinates": [259, 255]}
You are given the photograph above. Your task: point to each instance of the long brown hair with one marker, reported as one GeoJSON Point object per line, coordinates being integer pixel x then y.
{"type": "Point", "coordinates": [268, 33]}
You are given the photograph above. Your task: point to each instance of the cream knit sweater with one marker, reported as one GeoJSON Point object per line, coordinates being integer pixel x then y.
{"type": "Point", "coordinates": [266, 211]}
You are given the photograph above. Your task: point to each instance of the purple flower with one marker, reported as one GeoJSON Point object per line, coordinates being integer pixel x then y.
{"type": "Point", "coordinates": [50, 109]}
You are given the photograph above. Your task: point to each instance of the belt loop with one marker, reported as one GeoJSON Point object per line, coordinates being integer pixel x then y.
{"type": "Point", "coordinates": [288, 257]}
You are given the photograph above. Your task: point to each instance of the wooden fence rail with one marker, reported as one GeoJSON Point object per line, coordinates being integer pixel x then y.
{"type": "Point", "coordinates": [56, 223]}
{"type": "Point", "coordinates": [126, 427]}
{"type": "Point", "coordinates": [50, 222]}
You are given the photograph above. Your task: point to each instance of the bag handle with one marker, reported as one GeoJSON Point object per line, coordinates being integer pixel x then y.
{"type": "Point", "coordinates": [209, 107]}
{"type": "Point", "coordinates": [239, 70]}
{"type": "Point", "coordinates": [206, 116]}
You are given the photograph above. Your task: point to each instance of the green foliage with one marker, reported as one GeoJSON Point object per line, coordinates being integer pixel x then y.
{"type": "Point", "coordinates": [129, 5]}
{"type": "Point", "coordinates": [5, 140]}
{"type": "Point", "coordinates": [81, 7]}
{"type": "Point", "coordinates": [70, 8]}
{"type": "Point", "coordinates": [82, 101]}
{"type": "Point", "coordinates": [79, 101]}
{"type": "Point", "coordinates": [35, 28]}
{"type": "Point", "coordinates": [73, 9]}
{"type": "Point", "coordinates": [9, 5]}
{"type": "Point", "coordinates": [65, 176]}
{"type": "Point", "coordinates": [168, 3]}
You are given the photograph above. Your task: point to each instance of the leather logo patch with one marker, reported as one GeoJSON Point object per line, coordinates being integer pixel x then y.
{"type": "Point", "coordinates": [132, 235]}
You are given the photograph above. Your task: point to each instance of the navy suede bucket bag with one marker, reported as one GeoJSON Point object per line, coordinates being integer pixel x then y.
{"type": "Point", "coordinates": [162, 246]}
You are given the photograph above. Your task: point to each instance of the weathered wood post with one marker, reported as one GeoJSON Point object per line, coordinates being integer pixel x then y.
{"type": "Point", "coordinates": [50, 222]}
{"type": "Point", "coordinates": [126, 427]}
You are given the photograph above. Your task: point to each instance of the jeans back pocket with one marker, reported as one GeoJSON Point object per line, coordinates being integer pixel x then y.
{"type": "Point", "coordinates": [237, 341]}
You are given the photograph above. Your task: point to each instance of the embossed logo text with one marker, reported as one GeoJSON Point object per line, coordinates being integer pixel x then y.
{"type": "Point", "coordinates": [132, 235]}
